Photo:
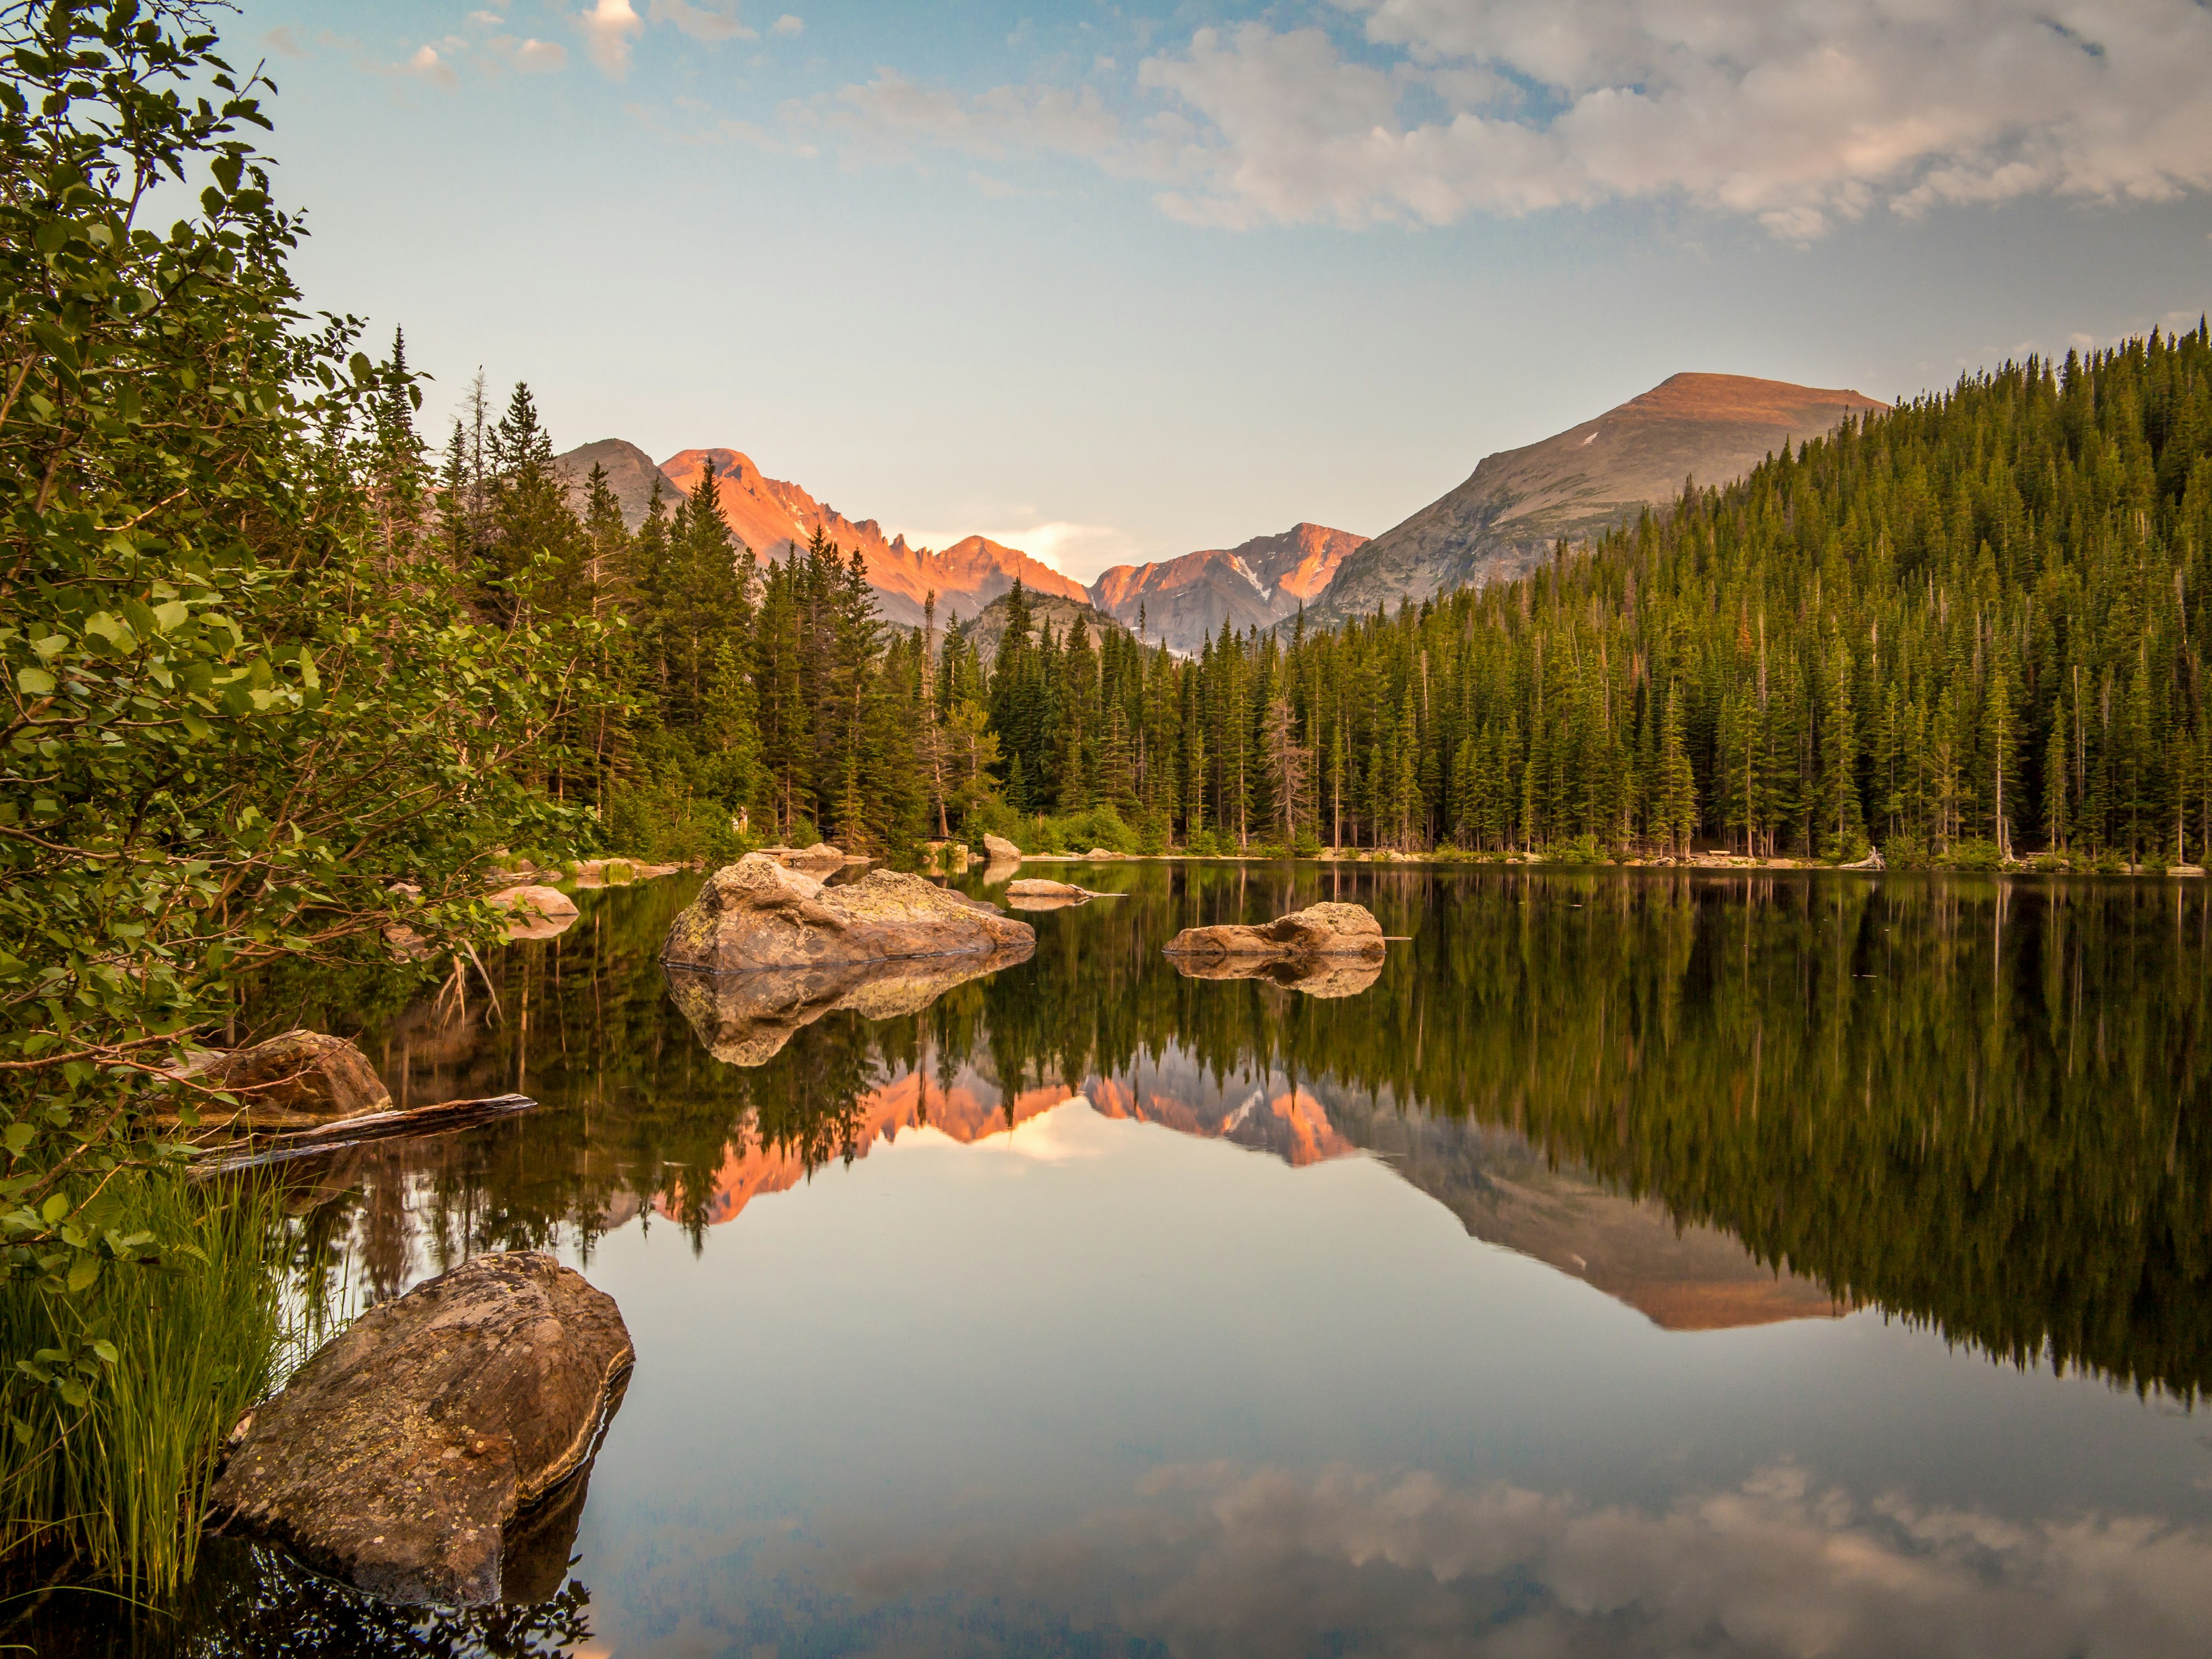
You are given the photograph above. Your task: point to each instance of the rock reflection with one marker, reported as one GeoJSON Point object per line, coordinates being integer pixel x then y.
{"type": "Point", "coordinates": [1315, 976]}
{"type": "Point", "coordinates": [745, 1019]}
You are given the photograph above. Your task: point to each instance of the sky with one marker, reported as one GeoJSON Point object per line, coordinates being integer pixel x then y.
{"type": "Point", "coordinates": [1110, 283]}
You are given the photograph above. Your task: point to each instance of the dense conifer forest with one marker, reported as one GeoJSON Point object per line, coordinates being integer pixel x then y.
{"type": "Point", "coordinates": [1967, 630]}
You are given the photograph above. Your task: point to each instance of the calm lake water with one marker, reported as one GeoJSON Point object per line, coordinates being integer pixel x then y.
{"type": "Point", "coordinates": [1643, 1263]}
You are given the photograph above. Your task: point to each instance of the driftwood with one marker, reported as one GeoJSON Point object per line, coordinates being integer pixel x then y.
{"type": "Point", "coordinates": [441, 1119]}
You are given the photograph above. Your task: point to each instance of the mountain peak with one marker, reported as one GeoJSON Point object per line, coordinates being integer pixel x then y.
{"type": "Point", "coordinates": [1579, 484]}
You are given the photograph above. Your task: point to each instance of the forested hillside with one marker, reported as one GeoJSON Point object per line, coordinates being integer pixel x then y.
{"type": "Point", "coordinates": [1968, 629]}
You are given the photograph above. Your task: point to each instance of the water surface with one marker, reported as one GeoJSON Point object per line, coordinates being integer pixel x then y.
{"type": "Point", "coordinates": [1643, 1263]}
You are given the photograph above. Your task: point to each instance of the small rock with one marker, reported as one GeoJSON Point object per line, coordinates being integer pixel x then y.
{"type": "Point", "coordinates": [538, 912]}
{"type": "Point", "coordinates": [1320, 930]}
{"type": "Point", "coordinates": [296, 1080]}
{"type": "Point", "coordinates": [414, 1446]}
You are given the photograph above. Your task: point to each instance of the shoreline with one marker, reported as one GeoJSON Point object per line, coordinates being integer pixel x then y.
{"type": "Point", "coordinates": [1700, 861]}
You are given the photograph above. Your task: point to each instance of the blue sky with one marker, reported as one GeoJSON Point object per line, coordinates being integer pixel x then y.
{"type": "Point", "coordinates": [1119, 282]}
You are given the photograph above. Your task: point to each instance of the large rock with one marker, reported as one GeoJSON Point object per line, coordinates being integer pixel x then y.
{"type": "Point", "coordinates": [1320, 929]}
{"type": "Point", "coordinates": [756, 914]}
{"type": "Point", "coordinates": [745, 1019]}
{"type": "Point", "coordinates": [296, 1081]}
{"type": "Point", "coordinates": [999, 850]}
{"type": "Point", "coordinates": [419, 1444]}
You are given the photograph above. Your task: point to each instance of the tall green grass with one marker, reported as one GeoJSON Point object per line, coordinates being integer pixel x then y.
{"type": "Point", "coordinates": [116, 1488]}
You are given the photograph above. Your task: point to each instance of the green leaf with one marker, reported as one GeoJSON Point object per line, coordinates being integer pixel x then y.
{"type": "Point", "coordinates": [81, 1276]}
{"type": "Point", "coordinates": [56, 1207]}
{"type": "Point", "coordinates": [18, 1137]}
{"type": "Point", "coordinates": [34, 682]}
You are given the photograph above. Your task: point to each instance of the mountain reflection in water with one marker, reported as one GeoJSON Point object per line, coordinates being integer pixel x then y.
{"type": "Point", "coordinates": [1723, 1099]}
{"type": "Point", "coordinates": [1108, 1311]}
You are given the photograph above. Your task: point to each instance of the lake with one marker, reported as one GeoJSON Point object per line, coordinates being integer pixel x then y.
{"type": "Point", "coordinates": [1645, 1262]}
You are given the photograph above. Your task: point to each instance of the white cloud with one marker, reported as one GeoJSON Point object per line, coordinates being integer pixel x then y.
{"type": "Point", "coordinates": [607, 28]}
{"type": "Point", "coordinates": [707, 21]}
{"type": "Point", "coordinates": [285, 41]}
{"type": "Point", "coordinates": [540, 56]}
{"type": "Point", "coordinates": [486, 20]}
{"type": "Point", "coordinates": [427, 65]}
{"type": "Point", "coordinates": [1797, 115]}
{"type": "Point", "coordinates": [788, 25]}
{"type": "Point", "coordinates": [889, 115]}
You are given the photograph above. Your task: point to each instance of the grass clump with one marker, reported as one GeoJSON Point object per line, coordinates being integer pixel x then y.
{"type": "Point", "coordinates": [109, 1455]}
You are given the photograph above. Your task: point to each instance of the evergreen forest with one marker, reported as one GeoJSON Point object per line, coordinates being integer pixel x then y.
{"type": "Point", "coordinates": [1969, 630]}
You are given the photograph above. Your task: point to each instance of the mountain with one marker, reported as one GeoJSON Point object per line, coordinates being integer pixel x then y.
{"type": "Point", "coordinates": [630, 474]}
{"type": "Point", "coordinates": [1255, 585]}
{"type": "Point", "coordinates": [773, 518]}
{"type": "Point", "coordinates": [989, 626]}
{"type": "Point", "coordinates": [1505, 518]}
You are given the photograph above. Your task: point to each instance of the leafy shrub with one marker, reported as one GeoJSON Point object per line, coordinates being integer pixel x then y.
{"type": "Point", "coordinates": [1976, 855]}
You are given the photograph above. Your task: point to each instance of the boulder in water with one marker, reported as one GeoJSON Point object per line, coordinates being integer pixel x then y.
{"type": "Point", "coordinates": [296, 1081]}
{"type": "Point", "coordinates": [420, 1444]}
{"type": "Point", "coordinates": [755, 914]}
{"type": "Point", "coordinates": [998, 850]}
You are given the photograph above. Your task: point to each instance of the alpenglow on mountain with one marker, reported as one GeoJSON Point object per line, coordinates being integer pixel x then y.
{"type": "Point", "coordinates": [1502, 521]}
{"type": "Point", "coordinates": [774, 517]}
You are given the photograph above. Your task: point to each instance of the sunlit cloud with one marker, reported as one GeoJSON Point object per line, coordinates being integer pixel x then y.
{"type": "Point", "coordinates": [427, 65]}
{"type": "Point", "coordinates": [1798, 119]}
{"type": "Point", "coordinates": [788, 25]}
{"type": "Point", "coordinates": [540, 56]}
{"type": "Point", "coordinates": [608, 26]}
{"type": "Point", "coordinates": [285, 41]}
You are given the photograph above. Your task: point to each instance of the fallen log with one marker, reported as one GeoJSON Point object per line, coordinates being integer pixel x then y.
{"type": "Point", "coordinates": [442, 1118]}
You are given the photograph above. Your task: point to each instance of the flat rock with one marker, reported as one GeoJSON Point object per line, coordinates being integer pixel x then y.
{"type": "Point", "coordinates": [756, 914]}
{"type": "Point", "coordinates": [537, 912]}
{"type": "Point", "coordinates": [1320, 929]}
{"type": "Point", "coordinates": [1032, 888]}
{"type": "Point", "coordinates": [745, 1019]}
{"type": "Point", "coordinates": [408, 1450]}
{"type": "Point", "coordinates": [295, 1081]}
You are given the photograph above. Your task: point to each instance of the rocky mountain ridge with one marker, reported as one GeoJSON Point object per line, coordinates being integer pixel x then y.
{"type": "Point", "coordinates": [1503, 520]}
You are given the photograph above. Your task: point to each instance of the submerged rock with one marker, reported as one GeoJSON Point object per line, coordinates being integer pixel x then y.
{"type": "Point", "coordinates": [409, 1453]}
{"type": "Point", "coordinates": [745, 1019]}
{"type": "Point", "coordinates": [295, 1081]}
{"type": "Point", "coordinates": [537, 912]}
{"type": "Point", "coordinates": [1032, 888]}
{"type": "Point", "coordinates": [756, 914]}
{"type": "Point", "coordinates": [1314, 977]}
{"type": "Point", "coordinates": [1320, 929]}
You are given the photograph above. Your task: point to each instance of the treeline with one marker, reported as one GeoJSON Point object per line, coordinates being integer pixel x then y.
{"type": "Point", "coordinates": [1969, 627]}
{"type": "Point", "coordinates": [1967, 630]}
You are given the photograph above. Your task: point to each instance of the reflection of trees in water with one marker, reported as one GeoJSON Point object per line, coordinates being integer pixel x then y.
{"type": "Point", "coordinates": [1983, 1104]}
{"type": "Point", "coordinates": [249, 1601]}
